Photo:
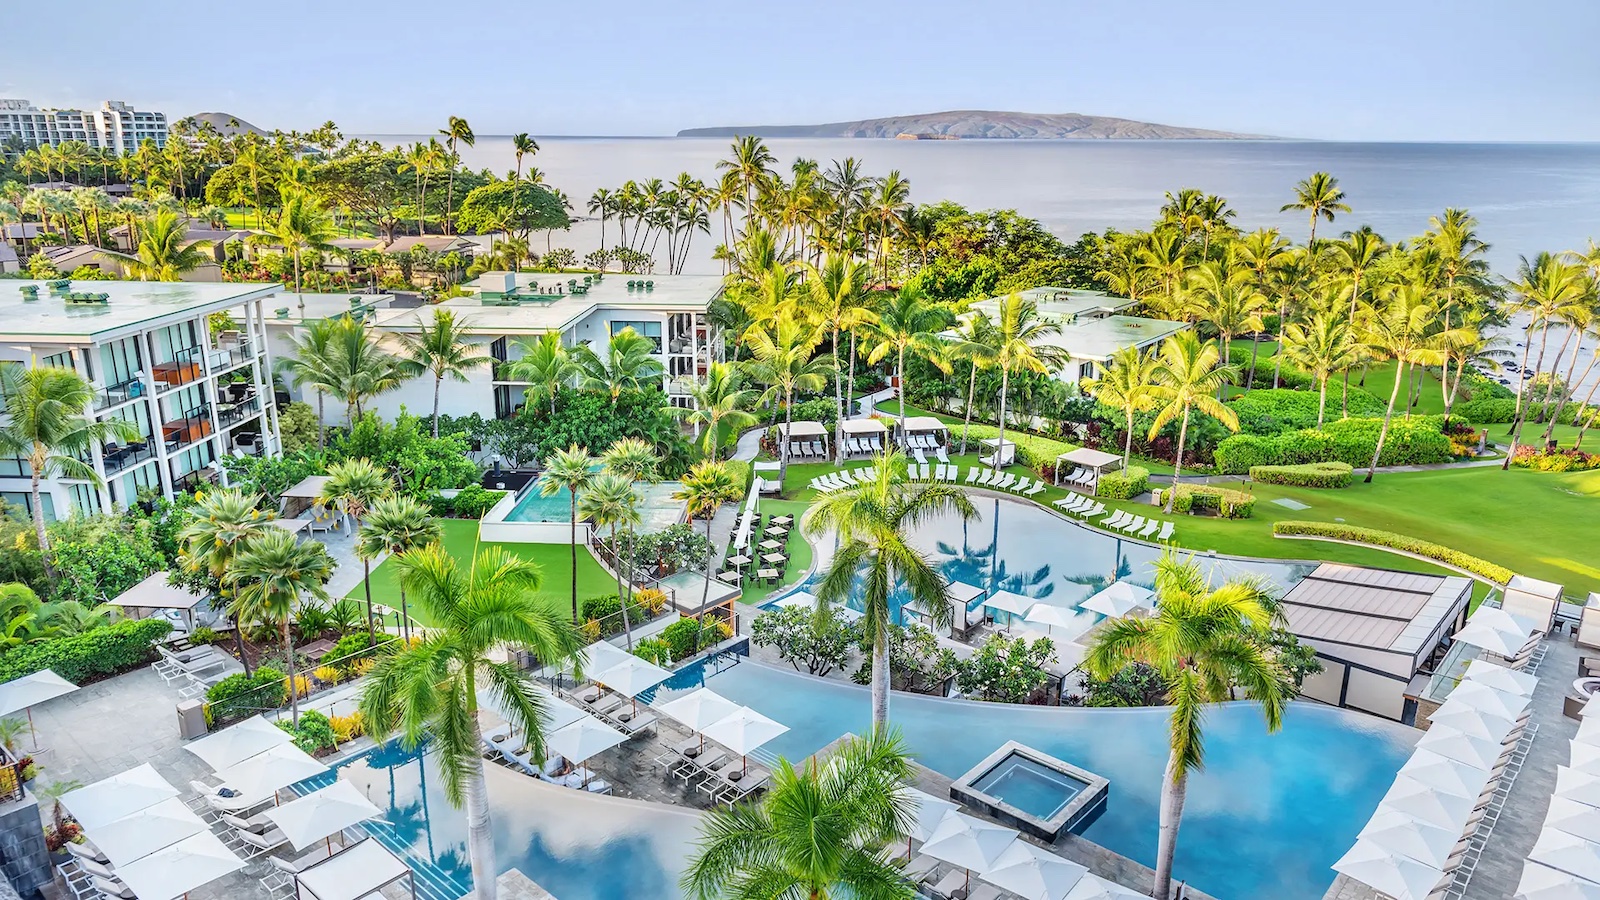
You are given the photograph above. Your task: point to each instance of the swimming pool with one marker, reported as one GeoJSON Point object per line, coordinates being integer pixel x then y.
{"type": "Point", "coordinates": [657, 506]}
{"type": "Point", "coordinates": [1019, 547]}
{"type": "Point", "coordinates": [1036, 790]}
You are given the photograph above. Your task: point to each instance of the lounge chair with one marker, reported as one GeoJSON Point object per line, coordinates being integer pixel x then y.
{"type": "Point", "coordinates": [1038, 488]}
{"type": "Point", "coordinates": [113, 888]}
{"type": "Point", "coordinates": [983, 890]}
{"type": "Point", "coordinates": [1166, 532]}
{"type": "Point", "coordinates": [923, 472]}
{"type": "Point", "coordinates": [973, 473]}
{"type": "Point", "coordinates": [1006, 481]}
{"type": "Point", "coordinates": [257, 844]}
{"type": "Point", "coordinates": [639, 722]}
{"type": "Point", "coordinates": [1149, 528]}
{"type": "Point", "coordinates": [1135, 525]}
{"type": "Point", "coordinates": [951, 471]}
{"type": "Point", "coordinates": [257, 824]}
{"type": "Point", "coordinates": [938, 451]}
{"type": "Point", "coordinates": [88, 852]}
{"type": "Point", "coordinates": [1096, 510]}
{"type": "Point", "coordinates": [1022, 484]}
{"type": "Point", "coordinates": [921, 458]}
{"type": "Point", "coordinates": [321, 519]}
{"type": "Point", "coordinates": [1116, 519]}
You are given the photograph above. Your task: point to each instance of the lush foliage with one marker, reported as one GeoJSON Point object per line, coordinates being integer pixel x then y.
{"type": "Point", "coordinates": [819, 641]}
{"type": "Point", "coordinates": [1380, 538]}
{"type": "Point", "coordinates": [240, 695]}
{"type": "Point", "coordinates": [474, 501]}
{"type": "Point", "coordinates": [89, 656]}
{"type": "Point", "coordinates": [102, 555]}
{"type": "Point", "coordinates": [1006, 669]}
{"type": "Point", "coordinates": [1414, 441]}
{"type": "Point", "coordinates": [917, 661]}
{"type": "Point", "coordinates": [1123, 485]}
{"type": "Point", "coordinates": [314, 733]}
{"type": "Point", "coordinates": [1267, 411]}
{"type": "Point", "coordinates": [1135, 684]}
{"type": "Point", "coordinates": [1204, 498]}
{"type": "Point", "coordinates": [1570, 460]}
{"type": "Point", "coordinates": [1311, 475]}
{"type": "Point", "coordinates": [672, 549]}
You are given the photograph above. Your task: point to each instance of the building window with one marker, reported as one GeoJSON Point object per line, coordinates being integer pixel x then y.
{"type": "Point", "coordinates": [85, 499]}
{"type": "Point", "coordinates": [651, 330]}
{"type": "Point", "coordinates": [1086, 370]}
{"type": "Point", "coordinates": [24, 501]}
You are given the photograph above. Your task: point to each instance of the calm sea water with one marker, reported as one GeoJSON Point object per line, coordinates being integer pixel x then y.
{"type": "Point", "coordinates": [1528, 197]}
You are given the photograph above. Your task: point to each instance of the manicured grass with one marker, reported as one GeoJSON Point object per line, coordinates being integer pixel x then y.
{"type": "Point", "coordinates": [461, 542]}
{"type": "Point", "coordinates": [799, 550]}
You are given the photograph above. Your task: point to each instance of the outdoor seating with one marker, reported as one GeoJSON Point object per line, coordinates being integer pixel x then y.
{"type": "Point", "coordinates": [1022, 484]}
{"type": "Point", "coordinates": [1116, 519]}
{"type": "Point", "coordinates": [973, 473]}
{"type": "Point", "coordinates": [1166, 532]}
{"type": "Point", "coordinates": [767, 576]}
{"type": "Point", "coordinates": [112, 888]}
{"type": "Point", "coordinates": [1006, 480]}
{"type": "Point", "coordinates": [952, 885]}
{"type": "Point", "coordinates": [918, 455]}
{"type": "Point", "coordinates": [939, 452]}
{"type": "Point", "coordinates": [921, 867]}
{"type": "Point", "coordinates": [1149, 528]}
{"type": "Point", "coordinates": [87, 851]}
{"type": "Point", "coordinates": [1099, 508]}
{"type": "Point", "coordinates": [1135, 525]}
{"type": "Point", "coordinates": [258, 844]}
{"type": "Point", "coordinates": [1038, 488]}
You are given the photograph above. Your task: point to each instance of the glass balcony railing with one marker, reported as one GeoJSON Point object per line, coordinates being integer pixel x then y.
{"type": "Point", "coordinates": [118, 457]}
{"type": "Point", "coordinates": [107, 397]}
{"type": "Point", "coordinates": [186, 367]}
{"type": "Point", "coordinates": [232, 413]}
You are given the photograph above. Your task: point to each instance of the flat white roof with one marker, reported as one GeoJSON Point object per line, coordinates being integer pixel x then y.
{"type": "Point", "coordinates": [320, 306]}
{"type": "Point", "coordinates": [672, 293]}
{"type": "Point", "coordinates": [353, 873]}
{"type": "Point", "coordinates": [132, 305]}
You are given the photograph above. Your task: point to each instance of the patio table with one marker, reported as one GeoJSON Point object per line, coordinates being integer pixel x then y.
{"type": "Point", "coordinates": [775, 558]}
{"type": "Point", "coordinates": [768, 574]}
{"type": "Point", "coordinates": [777, 532]}
{"type": "Point", "coordinates": [783, 520]}
{"type": "Point", "coordinates": [771, 545]}
{"type": "Point", "coordinates": [740, 560]}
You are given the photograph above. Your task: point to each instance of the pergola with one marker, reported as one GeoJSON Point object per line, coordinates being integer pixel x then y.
{"type": "Point", "coordinates": [795, 430]}
{"type": "Point", "coordinates": [863, 430]}
{"type": "Point", "coordinates": [360, 870]}
{"type": "Point", "coordinates": [1097, 460]}
{"type": "Point", "coordinates": [155, 593]}
{"type": "Point", "coordinates": [924, 424]}
{"type": "Point", "coordinates": [299, 498]}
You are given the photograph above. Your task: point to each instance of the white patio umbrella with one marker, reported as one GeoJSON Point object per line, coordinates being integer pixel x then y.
{"type": "Point", "coordinates": [1481, 696]}
{"type": "Point", "coordinates": [237, 743]}
{"type": "Point", "coordinates": [930, 811]}
{"type": "Point", "coordinates": [1050, 616]}
{"type": "Point", "coordinates": [972, 844]}
{"type": "Point", "coordinates": [744, 731]}
{"type": "Point", "coordinates": [22, 694]}
{"type": "Point", "coordinates": [1445, 774]}
{"type": "Point", "coordinates": [700, 708]}
{"type": "Point", "coordinates": [321, 814]}
{"type": "Point", "coordinates": [1501, 678]}
{"type": "Point", "coordinates": [558, 712]}
{"type": "Point", "coordinates": [1428, 804]}
{"type": "Point", "coordinates": [120, 795]}
{"type": "Point", "coordinates": [270, 771]}
{"type": "Point", "coordinates": [1034, 873]}
{"type": "Point", "coordinates": [1478, 723]}
{"type": "Point", "coordinates": [1401, 877]}
{"type": "Point", "coordinates": [1447, 741]}
{"type": "Point", "coordinates": [176, 870]}
{"type": "Point", "coordinates": [583, 739]}
{"type": "Point", "coordinates": [1579, 786]}
{"type": "Point", "coordinates": [602, 655]}
{"type": "Point", "coordinates": [1585, 757]}
{"type": "Point", "coordinates": [1588, 731]}
{"type": "Point", "coordinates": [1579, 819]}
{"type": "Point", "coordinates": [1568, 853]}
{"type": "Point", "coordinates": [1495, 633]}
{"type": "Point", "coordinates": [1401, 834]}
{"type": "Point", "coordinates": [1118, 599]}
{"type": "Point", "coordinates": [802, 599]}
{"type": "Point", "coordinates": [1093, 887]}
{"type": "Point", "coordinates": [1540, 882]}
{"type": "Point", "coordinates": [146, 831]}
{"type": "Point", "coordinates": [1590, 707]}
{"type": "Point", "coordinates": [1008, 602]}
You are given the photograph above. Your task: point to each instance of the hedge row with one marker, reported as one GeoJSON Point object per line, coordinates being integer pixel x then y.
{"type": "Point", "coordinates": [1226, 503]}
{"type": "Point", "coordinates": [1123, 485]}
{"type": "Point", "coordinates": [1288, 376]}
{"type": "Point", "coordinates": [1267, 411]}
{"type": "Point", "coordinates": [1414, 441]}
{"type": "Point", "coordinates": [1379, 538]}
{"type": "Point", "coordinates": [1500, 410]}
{"type": "Point", "coordinates": [93, 654]}
{"type": "Point", "coordinates": [1557, 461]}
{"type": "Point", "coordinates": [1311, 475]}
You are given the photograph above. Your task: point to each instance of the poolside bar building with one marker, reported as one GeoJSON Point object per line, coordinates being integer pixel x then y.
{"type": "Point", "coordinates": [1376, 631]}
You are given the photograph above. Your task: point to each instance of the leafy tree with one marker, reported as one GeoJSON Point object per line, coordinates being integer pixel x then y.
{"type": "Point", "coordinates": [1188, 377]}
{"type": "Point", "coordinates": [163, 254]}
{"type": "Point", "coordinates": [302, 225]}
{"type": "Point", "coordinates": [353, 487]}
{"type": "Point", "coordinates": [705, 489]}
{"type": "Point", "coordinates": [546, 365]}
{"type": "Point", "coordinates": [518, 208]}
{"type": "Point", "coordinates": [720, 407]}
{"type": "Point", "coordinates": [1021, 344]}
{"type": "Point", "coordinates": [1135, 684]}
{"type": "Point", "coordinates": [271, 576]}
{"type": "Point", "coordinates": [1320, 196]}
{"type": "Point", "coordinates": [223, 524]}
{"type": "Point", "coordinates": [394, 526]}
{"type": "Point", "coordinates": [819, 639]}
{"type": "Point", "coordinates": [906, 322]}
{"type": "Point", "coordinates": [101, 556]}
{"type": "Point", "coordinates": [370, 184]}
{"type": "Point", "coordinates": [571, 470]}
{"type": "Point", "coordinates": [1127, 385]}
{"type": "Point", "coordinates": [1401, 330]}
{"type": "Point", "coordinates": [1005, 669]}
{"type": "Point", "coordinates": [630, 364]}
{"type": "Point", "coordinates": [784, 361]}
{"type": "Point", "coordinates": [1322, 346]}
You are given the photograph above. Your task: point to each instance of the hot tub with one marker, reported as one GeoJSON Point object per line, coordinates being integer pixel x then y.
{"type": "Point", "coordinates": [1032, 791]}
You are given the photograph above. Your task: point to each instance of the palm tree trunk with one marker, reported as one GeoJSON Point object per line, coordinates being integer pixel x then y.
{"type": "Point", "coordinates": [573, 495]}
{"type": "Point", "coordinates": [480, 837]}
{"type": "Point", "coordinates": [1322, 401]}
{"type": "Point", "coordinates": [966, 422]}
{"type": "Point", "coordinates": [880, 683]}
{"type": "Point", "coordinates": [783, 442]}
{"type": "Point", "coordinates": [294, 683]}
{"type": "Point", "coordinates": [623, 575]}
{"type": "Point", "coordinates": [322, 433]}
{"type": "Point", "coordinates": [1250, 377]}
{"type": "Point", "coordinates": [1522, 378]}
{"type": "Point", "coordinates": [900, 390]}
{"type": "Point", "coordinates": [1174, 790]}
{"type": "Point", "coordinates": [1000, 441]}
{"type": "Point", "coordinates": [1277, 358]}
{"type": "Point", "coordinates": [1584, 426]}
{"type": "Point", "coordinates": [838, 398]}
{"type": "Point", "coordinates": [850, 382]}
{"type": "Point", "coordinates": [711, 557]}
{"type": "Point", "coordinates": [405, 617]}
{"type": "Point", "coordinates": [1383, 432]}
{"type": "Point", "coordinates": [1561, 402]}
{"type": "Point", "coordinates": [38, 522]}
{"type": "Point", "coordinates": [438, 381]}
{"type": "Point", "coordinates": [1177, 462]}
{"type": "Point", "coordinates": [1525, 408]}
{"type": "Point", "coordinates": [366, 586]}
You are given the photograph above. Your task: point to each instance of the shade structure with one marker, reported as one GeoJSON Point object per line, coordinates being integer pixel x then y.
{"type": "Point", "coordinates": [1588, 731]}
{"type": "Point", "coordinates": [1034, 873]}
{"type": "Point", "coordinates": [744, 730]}
{"type": "Point", "coordinates": [119, 796]}
{"type": "Point", "coordinates": [1008, 602]}
{"type": "Point", "coordinates": [558, 712]}
{"type": "Point", "coordinates": [1495, 630]}
{"type": "Point", "coordinates": [146, 831]}
{"type": "Point", "coordinates": [1477, 723]}
{"type": "Point", "coordinates": [1428, 804]}
{"type": "Point", "coordinates": [699, 708]}
{"type": "Point", "coordinates": [972, 844]}
{"type": "Point", "coordinates": [1401, 877]}
{"type": "Point", "coordinates": [1501, 678]}
{"type": "Point", "coordinates": [1540, 882]}
{"type": "Point", "coordinates": [1447, 741]}
{"type": "Point", "coordinates": [1591, 707]}
{"type": "Point", "coordinates": [155, 593]}
{"type": "Point", "coordinates": [1574, 818]}
{"type": "Point", "coordinates": [30, 690]}
{"type": "Point", "coordinates": [1120, 598]}
{"type": "Point", "coordinates": [1087, 456]}
{"type": "Point", "coordinates": [1584, 757]}
{"type": "Point", "coordinates": [237, 743]}
{"type": "Point", "coordinates": [322, 814]}
{"type": "Point", "coordinates": [1403, 835]}
{"type": "Point", "coordinates": [1444, 774]}
{"type": "Point", "coordinates": [308, 488]}
{"type": "Point", "coordinates": [800, 599]}
{"type": "Point", "coordinates": [270, 771]}
{"type": "Point", "coordinates": [961, 593]}
{"type": "Point", "coordinates": [862, 426]}
{"type": "Point", "coordinates": [1051, 616]}
{"type": "Point", "coordinates": [1093, 887]}
{"type": "Point", "coordinates": [355, 872]}
{"type": "Point", "coordinates": [603, 655]}
{"type": "Point", "coordinates": [583, 739]}
{"type": "Point", "coordinates": [632, 676]}
{"type": "Point", "coordinates": [1579, 786]}
{"type": "Point", "coordinates": [176, 870]}
{"type": "Point", "coordinates": [930, 811]}
{"type": "Point", "coordinates": [1567, 853]}
{"type": "Point", "coordinates": [1481, 696]}
{"type": "Point", "coordinates": [803, 429]}
{"type": "Point", "coordinates": [925, 424]}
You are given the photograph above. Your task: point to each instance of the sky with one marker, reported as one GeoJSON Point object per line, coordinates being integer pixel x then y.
{"type": "Point", "coordinates": [1415, 70]}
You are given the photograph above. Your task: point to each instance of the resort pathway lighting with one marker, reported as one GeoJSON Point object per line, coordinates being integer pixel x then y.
{"type": "Point", "coordinates": [1034, 873]}
{"type": "Point", "coordinates": [22, 694]}
{"type": "Point", "coordinates": [146, 831]}
{"type": "Point", "coordinates": [1540, 882]}
{"type": "Point", "coordinates": [1401, 877]}
{"type": "Point", "coordinates": [320, 815]}
{"type": "Point", "coordinates": [176, 870]}
{"type": "Point", "coordinates": [237, 743]}
{"type": "Point", "coordinates": [119, 796]}
{"type": "Point", "coordinates": [970, 843]}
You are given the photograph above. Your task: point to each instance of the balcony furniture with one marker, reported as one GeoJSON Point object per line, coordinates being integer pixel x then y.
{"type": "Point", "coordinates": [183, 431]}
{"type": "Point", "coordinates": [176, 373]}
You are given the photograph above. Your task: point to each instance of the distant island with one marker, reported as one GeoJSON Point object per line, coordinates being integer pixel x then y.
{"type": "Point", "coordinates": [977, 124]}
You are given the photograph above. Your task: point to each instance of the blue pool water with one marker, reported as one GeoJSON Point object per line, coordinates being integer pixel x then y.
{"type": "Point", "coordinates": [536, 507]}
{"type": "Point", "coordinates": [1038, 791]}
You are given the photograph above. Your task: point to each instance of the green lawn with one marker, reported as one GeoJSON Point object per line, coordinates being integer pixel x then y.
{"type": "Point", "coordinates": [461, 541]}
{"type": "Point", "coordinates": [799, 549]}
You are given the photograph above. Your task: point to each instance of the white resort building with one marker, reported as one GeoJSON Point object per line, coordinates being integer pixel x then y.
{"type": "Point", "coordinates": [114, 126]}
{"type": "Point", "coordinates": [1092, 323]}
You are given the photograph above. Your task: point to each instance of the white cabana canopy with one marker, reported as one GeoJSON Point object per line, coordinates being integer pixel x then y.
{"type": "Point", "coordinates": [155, 593]}
{"type": "Point", "coordinates": [146, 831]}
{"type": "Point", "coordinates": [924, 423]}
{"type": "Point", "coordinates": [1501, 678]}
{"type": "Point", "coordinates": [808, 601]}
{"type": "Point", "coordinates": [308, 488]}
{"type": "Point", "coordinates": [803, 430]}
{"type": "Point", "coordinates": [1399, 833]}
{"type": "Point", "coordinates": [583, 739]}
{"type": "Point", "coordinates": [930, 812]}
{"type": "Point", "coordinates": [322, 814]}
{"type": "Point", "coordinates": [972, 844]}
{"type": "Point", "coordinates": [1540, 882]}
{"type": "Point", "coordinates": [176, 870]}
{"type": "Point", "coordinates": [962, 593]}
{"type": "Point", "coordinates": [632, 676]}
{"type": "Point", "coordinates": [1008, 602]}
{"type": "Point", "coordinates": [1574, 818]}
{"type": "Point", "coordinates": [744, 730]}
{"type": "Point", "coordinates": [119, 796]}
{"type": "Point", "coordinates": [1119, 598]}
{"type": "Point", "coordinates": [699, 708]}
{"type": "Point", "coordinates": [353, 873]}
{"type": "Point", "coordinates": [1585, 757]}
{"type": "Point", "coordinates": [1087, 458]}
{"type": "Point", "coordinates": [1399, 877]}
{"type": "Point", "coordinates": [1567, 853]}
{"type": "Point", "coordinates": [271, 770]}
{"type": "Point", "coordinates": [1444, 774]}
{"type": "Point", "coordinates": [1034, 873]}
{"type": "Point", "coordinates": [862, 426]}
{"type": "Point", "coordinates": [1093, 887]}
{"type": "Point", "coordinates": [235, 744]}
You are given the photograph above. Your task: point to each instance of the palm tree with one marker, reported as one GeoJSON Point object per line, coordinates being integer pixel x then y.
{"type": "Point", "coordinates": [302, 225]}
{"type": "Point", "coordinates": [874, 521]}
{"type": "Point", "coordinates": [162, 254]}
{"type": "Point", "coordinates": [546, 365]}
{"type": "Point", "coordinates": [784, 362]}
{"type": "Point", "coordinates": [46, 428]}
{"type": "Point", "coordinates": [906, 321]}
{"type": "Point", "coordinates": [1188, 376]}
{"type": "Point", "coordinates": [394, 525]}
{"type": "Point", "coordinates": [836, 298]}
{"type": "Point", "coordinates": [360, 369]}
{"type": "Point", "coordinates": [1401, 329]}
{"type": "Point", "coordinates": [603, 202]}
{"type": "Point", "coordinates": [221, 524]}
{"type": "Point", "coordinates": [310, 364]}
{"type": "Point", "coordinates": [571, 469]}
{"type": "Point", "coordinates": [720, 401]}
{"type": "Point", "coordinates": [975, 343]}
{"type": "Point", "coordinates": [610, 501]}
{"type": "Point", "coordinates": [1325, 345]}
{"type": "Point", "coordinates": [751, 166]}
{"type": "Point", "coordinates": [1128, 384]}
{"type": "Point", "coordinates": [1022, 344]}
{"type": "Point", "coordinates": [522, 145]}
{"type": "Point", "coordinates": [1203, 644]}
{"type": "Point", "coordinates": [353, 487]}
{"type": "Point", "coordinates": [706, 486]}
{"type": "Point", "coordinates": [458, 131]}
{"type": "Point", "coordinates": [443, 349]}
{"type": "Point", "coordinates": [633, 459]}
{"type": "Point", "coordinates": [1320, 196]}
{"type": "Point", "coordinates": [429, 691]}
{"type": "Point", "coordinates": [271, 577]}
{"type": "Point", "coordinates": [820, 832]}
{"type": "Point", "coordinates": [629, 365]}
{"type": "Point", "coordinates": [1226, 298]}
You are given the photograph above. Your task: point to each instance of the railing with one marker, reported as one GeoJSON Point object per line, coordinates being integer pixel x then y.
{"type": "Point", "coordinates": [185, 367]}
{"type": "Point", "coordinates": [118, 457]}
{"type": "Point", "coordinates": [10, 777]}
{"type": "Point", "coordinates": [503, 373]}
{"type": "Point", "coordinates": [107, 397]}
{"type": "Point", "coordinates": [228, 356]}
{"type": "Point", "coordinates": [238, 412]}
{"type": "Point", "coordinates": [314, 676]}
{"type": "Point", "coordinates": [186, 482]}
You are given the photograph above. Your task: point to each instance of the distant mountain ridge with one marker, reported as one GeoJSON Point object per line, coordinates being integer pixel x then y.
{"type": "Point", "coordinates": [219, 121]}
{"type": "Point", "coordinates": [977, 124]}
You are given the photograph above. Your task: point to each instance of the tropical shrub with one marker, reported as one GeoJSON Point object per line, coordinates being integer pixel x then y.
{"type": "Point", "coordinates": [1270, 411]}
{"type": "Point", "coordinates": [1415, 441]}
{"type": "Point", "coordinates": [1555, 460]}
{"type": "Point", "coordinates": [328, 674]}
{"type": "Point", "coordinates": [204, 635]}
{"type": "Point", "coordinates": [653, 650]}
{"type": "Point", "coordinates": [1006, 670]}
{"type": "Point", "coordinates": [89, 656]}
{"type": "Point", "coordinates": [1379, 538]}
{"type": "Point", "coordinates": [1035, 452]}
{"type": "Point", "coordinates": [1288, 376]}
{"type": "Point", "coordinates": [1204, 498]}
{"type": "Point", "coordinates": [297, 425]}
{"type": "Point", "coordinates": [820, 409]}
{"type": "Point", "coordinates": [917, 661]}
{"type": "Point", "coordinates": [353, 648]}
{"type": "Point", "coordinates": [672, 549]}
{"type": "Point", "coordinates": [686, 637]}
{"type": "Point", "coordinates": [1135, 684]}
{"type": "Point", "coordinates": [1310, 475]}
{"type": "Point", "coordinates": [346, 728]}
{"type": "Point", "coordinates": [240, 695]}
{"type": "Point", "coordinates": [314, 734]}
{"type": "Point", "coordinates": [420, 463]}
{"type": "Point", "coordinates": [743, 473]}
{"type": "Point", "coordinates": [802, 637]}
{"type": "Point", "coordinates": [473, 501]}
{"type": "Point", "coordinates": [1123, 485]}
{"type": "Point", "coordinates": [651, 600]}
{"type": "Point", "coordinates": [101, 556]}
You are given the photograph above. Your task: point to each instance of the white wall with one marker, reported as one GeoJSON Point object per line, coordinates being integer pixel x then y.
{"type": "Point", "coordinates": [1376, 694]}
{"type": "Point", "coordinates": [1327, 685]}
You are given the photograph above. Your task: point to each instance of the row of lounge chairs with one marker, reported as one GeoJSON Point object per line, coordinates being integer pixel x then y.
{"type": "Point", "coordinates": [1138, 526]}
{"type": "Point", "coordinates": [716, 772]}
{"type": "Point", "coordinates": [1078, 505]}
{"type": "Point", "coordinates": [922, 442]}
{"type": "Point", "coordinates": [1082, 477]}
{"type": "Point", "coordinates": [938, 452]}
{"type": "Point", "coordinates": [193, 670]}
{"type": "Point", "coordinates": [1005, 481]}
{"type": "Point", "coordinates": [867, 446]}
{"type": "Point", "coordinates": [808, 450]}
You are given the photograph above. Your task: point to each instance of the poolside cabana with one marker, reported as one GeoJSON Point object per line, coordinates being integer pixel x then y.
{"type": "Point", "coordinates": [360, 870]}
{"type": "Point", "coordinates": [862, 437]}
{"type": "Point", "coordinates": [298, 498]}
{"type": "Point", "coordinates": [806, 440]}
{"type": "Point", "coordinates": [1014, 605]}
{"type": "Point", "coordinates": [763, 484]}
{"type": "Point", "coordinates": [155, 593]}
{"type": "Point", "coordinates": [924, 432]}
{"type": "Point", "coordinates": [1000, 454]}
{"type": "Point", "coordinates": [1087, 465]}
